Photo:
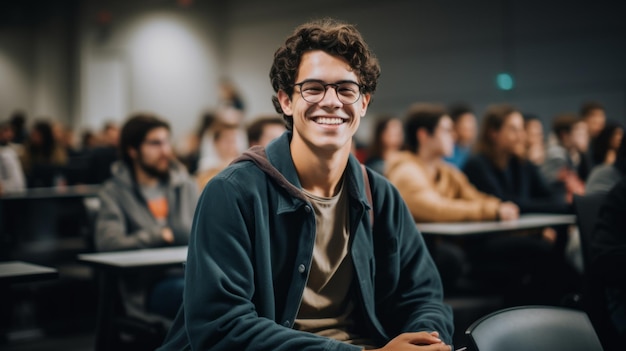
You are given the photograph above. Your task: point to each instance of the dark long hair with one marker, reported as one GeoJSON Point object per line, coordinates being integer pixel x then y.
{"type": "Point", "coordinates": [600, 145]}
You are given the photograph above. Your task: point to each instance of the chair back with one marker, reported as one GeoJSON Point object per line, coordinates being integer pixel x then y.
{"type": "Point", "coordinates": [537, 328]}
{"type": "Point", "coordinates": [587, 209]}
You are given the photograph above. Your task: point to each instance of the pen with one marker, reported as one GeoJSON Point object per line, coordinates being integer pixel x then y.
{"type": "Point", "coordinates": [462, 349]}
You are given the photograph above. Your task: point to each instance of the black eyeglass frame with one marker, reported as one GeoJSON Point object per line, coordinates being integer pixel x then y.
{"type": "Point", "coordinates": [326, 85]}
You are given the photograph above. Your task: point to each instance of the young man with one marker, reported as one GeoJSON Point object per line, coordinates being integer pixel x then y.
{"type": "Point", "coordinates": [433, 189]}
{"type": "Point", "coordinates": [265, 129]}
{"type": "Point", "coordinates": [567, 164]}
{"type": "Point", "coordinates": [148, 202]}
{"type": "Point", "coordinates": [287, 252]}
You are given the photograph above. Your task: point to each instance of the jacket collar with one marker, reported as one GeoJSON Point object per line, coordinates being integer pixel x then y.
{"type": "Point", "coordinates": [279, 155]}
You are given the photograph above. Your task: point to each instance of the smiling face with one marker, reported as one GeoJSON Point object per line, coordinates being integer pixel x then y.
{"type": "Point", "coordinates": [326, 126]}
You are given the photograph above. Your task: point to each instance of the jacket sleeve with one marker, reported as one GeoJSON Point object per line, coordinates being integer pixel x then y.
{"type": "Point", "coordinates": [111, 230]}
{"type": "Point", "coordinates": [428, 205]}
{"type": "Point", "coordinates": [408, 287]}
{"type": "Point", "coordinates": [220, 282]}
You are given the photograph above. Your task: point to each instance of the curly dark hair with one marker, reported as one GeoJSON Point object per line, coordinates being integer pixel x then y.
{"type": "Point", "coordinates": [328, 35]}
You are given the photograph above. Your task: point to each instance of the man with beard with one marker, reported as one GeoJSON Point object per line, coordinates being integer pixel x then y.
{"type": "Point", "coordinates": [148, 202]}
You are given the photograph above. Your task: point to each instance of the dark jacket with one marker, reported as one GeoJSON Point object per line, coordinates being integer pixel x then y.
{"type": "Point", "coordinates": [250, 253]}
{"type": "Point", "coordinates": [521, 183]}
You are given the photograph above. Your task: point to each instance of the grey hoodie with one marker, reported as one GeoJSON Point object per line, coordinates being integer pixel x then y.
{"type": "Point", "coordinates": [124, 221]}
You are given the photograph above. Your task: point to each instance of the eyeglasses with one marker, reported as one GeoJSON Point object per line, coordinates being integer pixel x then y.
{"type": "Point", "coordinates": [313, 91]}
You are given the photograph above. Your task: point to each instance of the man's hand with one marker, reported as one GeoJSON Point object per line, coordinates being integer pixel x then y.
{"type": "Point", "coordinates": [420, 341]}
{"type": "Point", "coordinates": [167, 235]}
{"type": "Point", "coordinates": [508, 211]}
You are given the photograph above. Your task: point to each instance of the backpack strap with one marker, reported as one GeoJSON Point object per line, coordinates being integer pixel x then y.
{"type": "Point", "coordinates": [368, 192]}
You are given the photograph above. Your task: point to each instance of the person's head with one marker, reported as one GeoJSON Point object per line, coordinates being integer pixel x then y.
{"type": "Point", "coordinates": [501, 132]}
{"type": "Point", "coordinates": [464, 121]}
{"type": "Point", "coordinates": [609, 139]}
{"type": "Point", "coordinates": [225, 140]}
{"type": "Point", "coordinates": [42, 136]}
{"type": "Point", "coordinates": [571, 132]}
{"type": "Point", "coordinates": [145, 145]}
{"type": "Point", "coordinates": [265, 129]}
{"type": "Point", "coordinates": [6, 133]}
{"type": "Point", "coordinates": [18, 121]}
{"type": "Point", "coordinates": [324, 76]}
{"type": "Point", "coordinates": [429, 129]}
{"type": "Point", "coordinates": [388, 134]}
{"type": "Point", "coordinates": [620, 158]}
{"type": "Point", "coordinates": [594, 115]}
{"type": "Point", "coordinates": [111, 133]}
{"type": "Point", "coordinates": [534, 130]}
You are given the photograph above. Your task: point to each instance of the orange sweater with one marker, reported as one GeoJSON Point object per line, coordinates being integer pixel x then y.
{"type": "Point", "coordinates": [450, 198]}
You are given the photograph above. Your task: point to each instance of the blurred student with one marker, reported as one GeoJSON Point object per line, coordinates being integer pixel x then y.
{"type": "Point", "coordinates": [149, 202]}
{"type": "Point", "coordinates": [388, 139]}
{"type": "Point", "coordinates": [265, 129]}
{"type": "Point", "coordinates": [434, 190]}
{"type": "Point", "coordinates": [225, 140]}
{"type": "Point", "coordinates": [604, 147]}
{"type": "Point", "coordinates": [102, 157]}
{"type": "Point", "coordinates": [594, 115]}
{"type": "Point", "coordinates": [567, 166]}
{"type": "Point", "coordinates": [464, 121]}
{"type": "Point", "coordinates": [498, 169]}
{"type": "Point", "coordinates": [11, 173]}
{"type": "Point", "coordinates": [535, 151]}
{"type": "Point", "coordinates": [43, 158]}
{"type": "Point", "coordinates": [604, 177]}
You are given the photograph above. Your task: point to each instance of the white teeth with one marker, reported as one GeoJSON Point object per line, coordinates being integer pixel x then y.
{"type": "Point", "coordinates": [328, 120]}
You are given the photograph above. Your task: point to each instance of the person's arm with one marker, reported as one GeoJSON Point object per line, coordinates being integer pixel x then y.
{"type": "Point", "coordinates": [111, 230]}
{"type": "Point", "coordinates": [409, 293]}
{"type": "Point", "coordinates": [426, 204]}
{"type": "Point", "coordinates": [220, 278]}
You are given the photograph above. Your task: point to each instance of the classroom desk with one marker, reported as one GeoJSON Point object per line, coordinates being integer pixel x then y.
{"type": "Point", "coordinates": [112, 265]}
{"type": "Point", "coordinates": [42, 214]}
{"type": "Point", "coordinates": [13, 272]}
{"type": "Point", "coordinates": [18, 272]}
{"type": "Point", "coordinates": [525, 222]}
{"type": "Point", "coordinates": [59, 192]}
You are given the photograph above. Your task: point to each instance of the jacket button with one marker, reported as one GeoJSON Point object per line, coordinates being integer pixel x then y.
{"type": "Point", "coordinates": [307, 208]}
{"type": "Point", "coordinates": [286, 323]}
{"type": "Point", "coordinates": [301, 268]}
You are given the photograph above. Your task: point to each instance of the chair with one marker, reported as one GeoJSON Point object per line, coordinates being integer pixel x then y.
{"type": "Point", "coordinates": [587, 209]}
{"type": "Point", "coordinates": [536, 328]}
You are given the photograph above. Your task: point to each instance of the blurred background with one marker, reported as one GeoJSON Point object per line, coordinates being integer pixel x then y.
{"type": "Point", "coordinates": [87, 62]}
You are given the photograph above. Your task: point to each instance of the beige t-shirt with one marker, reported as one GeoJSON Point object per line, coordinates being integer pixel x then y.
{"type": "Point", "coordinates": [327, 306]}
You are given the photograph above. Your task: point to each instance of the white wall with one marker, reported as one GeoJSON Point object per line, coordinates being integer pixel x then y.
{"type": "Point", "coordinates": [167, 59]}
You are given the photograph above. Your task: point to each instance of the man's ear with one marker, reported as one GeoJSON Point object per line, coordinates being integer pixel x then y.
{"type": "Point", "coordinates": [421, 134]}
{"type": "Point", "coordinates": [365, 101]}
{"type": "Point", "coordinates": [285, 102]}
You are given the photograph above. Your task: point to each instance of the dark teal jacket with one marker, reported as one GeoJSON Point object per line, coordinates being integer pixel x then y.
{"type": "Point", "coordinates": [250, 253]}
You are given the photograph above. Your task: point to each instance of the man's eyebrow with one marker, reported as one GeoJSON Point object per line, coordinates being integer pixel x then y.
{"type": "Point", "coordinates": [324, 82]}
